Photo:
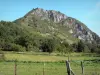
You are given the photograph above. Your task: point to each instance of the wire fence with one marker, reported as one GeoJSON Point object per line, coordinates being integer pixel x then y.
{"type": "Point", "coordinates": [48, 68]}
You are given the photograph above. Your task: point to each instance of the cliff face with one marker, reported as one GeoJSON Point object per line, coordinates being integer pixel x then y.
{"type": "Point", "coordinates": [49, 15]}
{"type": "Point", "coordinates": [59, 24]}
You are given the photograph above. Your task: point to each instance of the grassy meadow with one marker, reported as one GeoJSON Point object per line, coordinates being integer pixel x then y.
{"type": "Point", "coordinates": [35, 56]}
{"type": "Point", "coordinates": [31, 63]}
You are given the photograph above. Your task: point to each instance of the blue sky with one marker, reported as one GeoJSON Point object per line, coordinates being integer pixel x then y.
{"type": "Point", "coordinates": [87, 11]}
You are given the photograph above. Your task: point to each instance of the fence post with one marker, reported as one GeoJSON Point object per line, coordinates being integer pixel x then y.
{"type": "Point", "coordinates": [15, 67]}
{"type": "Point", "coordinates": [68, 58]}
{"type": "Point", "coordinates": [82, 66]}
{"type": "Point", "coordinates": [44, 69]}
{"type": "Point", "coordinates": [68, 68]}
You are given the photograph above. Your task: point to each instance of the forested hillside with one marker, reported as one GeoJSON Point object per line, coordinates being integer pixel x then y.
{"type": "Point", "coordinates": [47, 31]}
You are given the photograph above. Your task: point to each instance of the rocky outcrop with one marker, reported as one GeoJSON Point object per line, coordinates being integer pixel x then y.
{"type": "Point", "coordinates": [76, 28]}
{"type": "Point", "coordinates": [49, 15]}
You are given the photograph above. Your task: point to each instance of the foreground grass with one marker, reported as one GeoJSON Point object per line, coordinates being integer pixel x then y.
{"type": "Point", "coordinates": [50, 68]}
{"type": "Point", "coordinates": [31, 63]}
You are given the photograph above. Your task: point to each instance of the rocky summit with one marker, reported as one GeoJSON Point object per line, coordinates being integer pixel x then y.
{"type": "Point", "coordinates": [49, 15]}
{"type": "Point", "coordinates": [47, 31]}
{"type": "Point", "coordinates": [51, 22]}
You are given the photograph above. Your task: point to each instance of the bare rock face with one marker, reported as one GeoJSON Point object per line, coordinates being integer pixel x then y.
{"type": "Point", "coordinates": [76, 28]}
{"type": "Point", "coordinates": [79, 30]}
{"type": "Point", "coordinates": [56, 16]}
{"type": "Point", "coordinates": [49, 15]}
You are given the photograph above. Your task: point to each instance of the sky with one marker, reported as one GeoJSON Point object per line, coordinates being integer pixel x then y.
{"type": "Point", "coordinates": [86, 11]}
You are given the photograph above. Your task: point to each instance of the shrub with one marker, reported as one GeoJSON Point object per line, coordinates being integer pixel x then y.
{"type": "Point", "coordinates": [2, 57]}
{"type": "Point", "coordinates": [12, 47]}
{"type": "Point", "coordinates": [16, 47]}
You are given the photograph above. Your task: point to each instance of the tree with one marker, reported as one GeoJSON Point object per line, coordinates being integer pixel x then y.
{"type": "Point", "coordinates": [80, 47]}
{"type": "Point", "coordinates": [66, 47]}
{"type": "Point", "coordinates": [22, 41]}
{"type": "Point", "coordinates": [48, 45]}
{"type": "Point", "coordinates": [74, 46]}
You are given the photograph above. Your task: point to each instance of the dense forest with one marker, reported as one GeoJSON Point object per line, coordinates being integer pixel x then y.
{"type": "Point", "coordinates": [14, 37]}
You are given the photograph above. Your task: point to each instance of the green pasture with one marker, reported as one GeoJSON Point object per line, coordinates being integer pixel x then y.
{"type": "Point", "coordinates": [50, 57]}
{"type": "Point", "coordinates": [50, 68]}
{"type": "Point", "coordinates": [33, 63]}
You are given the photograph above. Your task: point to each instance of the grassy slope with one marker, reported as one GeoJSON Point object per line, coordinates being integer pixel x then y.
{"type": "Point", "coordinates": [31, 56]}
{"type": "Point", "coordinates": [43, 27]}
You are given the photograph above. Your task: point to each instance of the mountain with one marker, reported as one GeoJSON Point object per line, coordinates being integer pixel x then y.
{"type": "Point", "coordinates": [32, 30]}
{"type": "Point", "coordinates": [54, 22]}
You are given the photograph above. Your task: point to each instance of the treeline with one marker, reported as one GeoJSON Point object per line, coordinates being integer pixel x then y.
{"type": "Point", "coordinates": [15, 37]}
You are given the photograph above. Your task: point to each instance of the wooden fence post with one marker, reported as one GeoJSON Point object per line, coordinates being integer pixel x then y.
{"type": "Point", "coordinates": [44, 69]}
{"type": "Point", "coordinates": [72, 72]}
{"type": "Point", "coordinates": [82, 66]}
{"type": "Point", "coordinates": [68, 68]}
{"type": "Point", "coordinates": [68, 58]}
{"type": "Point", "coordinates": [15, 67]}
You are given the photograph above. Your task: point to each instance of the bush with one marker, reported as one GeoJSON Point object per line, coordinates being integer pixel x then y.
{"type": "Point", "coordinates": [16, 47]}
{"type": "Point", "coordinates": [2, 57]}
{"type": "Point", "coordinates": [12, 47]}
